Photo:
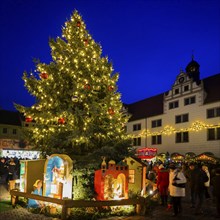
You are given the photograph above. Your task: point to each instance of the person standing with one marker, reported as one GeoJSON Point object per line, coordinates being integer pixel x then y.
{"type": "Point", "coordinates": [177, 182]}
{"type": "Point", "coordinates": [207, 184]}
{"type": "Point", "coordinates": [163, 183]}
{"type": "Point", "coordinates": [216, 190]}
{"type": "Point", "coordinates": [192, 182]}
{"type": "Point", "coordinates": [198, 178]}
{"type": "Point", "coordinates": [11, 169]}
{"type": "Point", "coordinates": [3, 171]}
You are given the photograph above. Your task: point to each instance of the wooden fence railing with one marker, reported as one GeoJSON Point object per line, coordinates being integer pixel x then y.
{"type": "Point", "coordinates": [69, 203]}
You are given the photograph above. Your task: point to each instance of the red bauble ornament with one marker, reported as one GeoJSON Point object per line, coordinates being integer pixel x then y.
{"type": "Point", "coordinates": [78, 24]}
{"type": "Point", "coordinates": [86, 42]}
{"type": "Point", "coordinates": [44, 75]}
{"type": "Point", "coordinates": [111, 111]}
{"type": "Point", "coordinates": [110, 88]}
{"type": "Point", "coordinates": [61, 121]}
{"type": "Point", "coordinates": [28, 119]}
{"type": "Point", "coordinates": [87, 86]}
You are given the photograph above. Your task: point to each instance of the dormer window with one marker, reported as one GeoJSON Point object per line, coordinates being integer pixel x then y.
{"type": "Point", "coordinates": [176, 91]}
{"type": "Point", "coordinates": [186, 88]}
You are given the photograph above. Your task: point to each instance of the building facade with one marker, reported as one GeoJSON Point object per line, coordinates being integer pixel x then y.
{"type": "Point", "coordinates": [12, 143]}
{"type": "Point", "coordinates": [184, 119]}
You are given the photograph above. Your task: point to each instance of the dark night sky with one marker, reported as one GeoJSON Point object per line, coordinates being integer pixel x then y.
{"type": "Point", "coordinates": [148, 41]}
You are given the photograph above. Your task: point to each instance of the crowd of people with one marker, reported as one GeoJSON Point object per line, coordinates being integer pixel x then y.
{"type": "Point", "coordinates": [174, 180]}
{"type": "Point", "coordinates": [9, 169]}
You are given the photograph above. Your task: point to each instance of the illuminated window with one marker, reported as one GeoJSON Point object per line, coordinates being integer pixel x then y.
{"type": "Point", "coordinates": [131, 176]}
{"type": "Point", "coordinates": [182, 137]}
{"type": "Point", "coordinates": [136, 127]}
{"type": "Point", "coordinates": [213, 134]}
{"type": "Point", "coordinates": [156, 139]}
{"type": "Point", "coordinates": [190, 100]}
{"type": "Point", "coordinates": [156, 123]}
{"type": "Point", "coordinates": [173, 105]}
{"type": "Point", "coordinates": [214, 112]}
{"type": "Point", "coordinates": [182, 118]}
{"type": "Point", "coordinates": [137, 141]}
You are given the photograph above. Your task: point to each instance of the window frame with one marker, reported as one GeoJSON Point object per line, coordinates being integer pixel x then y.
{"type": "Point", "coordinates": [174, 104]}
{"type": "Point", "coordinates": [182, 118]}
{"type": "Point", "coordinates": [213, 112]}
{"type": "Point", "coordinates": [137, 127]}
{"type": "Point", "coordinates": [182, 137]}
{"type": "Point", "coordinates": [190, 100]}
{"type": "Point", "coordinates": [4, 130]}
{"type": "Point", "coordinates": [131, 176]}
{"type": "Point", "coordinates": [137, 141]}
{"type": "Point", "coordinates": [213, 134]}
{"type": "Point", "coordinates": [156, 123]}
{"type": "Point", "coordinates": [186, 88]}
{"type": "Point", "coordinates": [14, 131]}
{"type": "Point", "coordinates": [156, 139]}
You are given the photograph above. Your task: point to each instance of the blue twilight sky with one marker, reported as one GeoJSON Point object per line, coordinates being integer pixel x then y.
{"type": "Point", "coordinates": [148, 41]}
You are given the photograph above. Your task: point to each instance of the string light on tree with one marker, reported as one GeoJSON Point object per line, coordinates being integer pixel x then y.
{"type": "Point", "coordinates": [72, 104]}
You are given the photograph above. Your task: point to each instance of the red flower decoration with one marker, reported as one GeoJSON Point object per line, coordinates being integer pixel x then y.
{"type": "Point", "coordinates": [86, 42]}
{"type": "Point", "coordinates": [44, 75]}
{"type": "Point", "coordinates": [78, 24]}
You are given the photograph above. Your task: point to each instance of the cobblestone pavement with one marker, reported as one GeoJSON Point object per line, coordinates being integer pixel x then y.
{"type": "Point", "coordinates": [22, 214]}
{"type": "Point", "coordinates": [7, 212]}
{"type": "Point", "coordinates": [161, 213]}
{"type": "Point", "coordinates": [158, 212]}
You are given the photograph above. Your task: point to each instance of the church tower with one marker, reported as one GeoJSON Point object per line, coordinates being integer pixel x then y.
{"type": "Point", "coordinates": [192, 70]}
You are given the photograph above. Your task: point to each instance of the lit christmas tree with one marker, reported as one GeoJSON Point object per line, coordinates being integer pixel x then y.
{"type": "Point", "coordinates": [78, 108]}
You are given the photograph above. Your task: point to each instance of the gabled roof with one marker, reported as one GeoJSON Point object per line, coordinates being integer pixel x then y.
{"type": "Point", "coordinates": [212, 88]}
{"type": "Point", "coordinates": [138, 160]}
{"type": "Point", "coordinates": [154, 105]}
{"type": "Point", "coordinates": [146, 108]}
{"type": "Point", "coordinates": [10, 118]}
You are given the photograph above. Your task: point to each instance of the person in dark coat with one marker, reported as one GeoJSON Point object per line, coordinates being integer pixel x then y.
{"type": "Point", "coordinates": [191, 179]}
{"type": "Point", "coordinates": [11, 169]}
{"type": "Point", "coordinates": [3, 170]}
{"type": "Point", "coordinates": [216, 190]}
{"type": "Point", "coordinates": [163, 184]}
{"type": "Point", "coordinates": [197, 179]}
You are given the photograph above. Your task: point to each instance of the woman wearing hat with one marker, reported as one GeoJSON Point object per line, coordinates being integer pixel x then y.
{"type": "Point", "coordinates": [37, 191]}
{"type": "Point", "coordinates": [177, 182]}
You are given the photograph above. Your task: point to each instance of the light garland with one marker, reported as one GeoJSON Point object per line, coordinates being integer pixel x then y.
{"type": "Point", "coordinates": [169, 130]}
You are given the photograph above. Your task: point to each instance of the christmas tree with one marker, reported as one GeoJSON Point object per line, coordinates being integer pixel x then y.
{"type": "Point", "coordinates": [77, 108]}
